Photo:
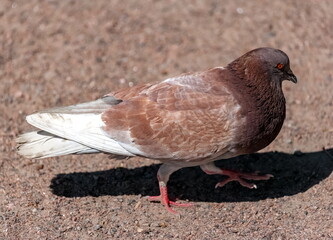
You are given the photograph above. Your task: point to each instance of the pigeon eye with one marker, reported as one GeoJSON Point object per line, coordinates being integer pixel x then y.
{"type": "Point", "coordinates": [280, 66]}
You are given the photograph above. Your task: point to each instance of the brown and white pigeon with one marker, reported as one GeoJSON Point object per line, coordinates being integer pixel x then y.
{"type": "Point", "coordinates": [189, 120]}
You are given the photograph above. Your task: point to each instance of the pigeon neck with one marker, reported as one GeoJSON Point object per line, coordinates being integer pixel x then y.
{"type": "Point", "coordinates": [251, 72]}
{"type": "Point", "coordinates": [262, 104]}
{"type": "Point", "coordinates": [253, 78]}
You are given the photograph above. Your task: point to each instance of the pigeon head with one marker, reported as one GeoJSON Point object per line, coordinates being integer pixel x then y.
{"type": "Point", "coordinates": [277, 61]}
{"type": "Point", "coordinates": [264, 63]}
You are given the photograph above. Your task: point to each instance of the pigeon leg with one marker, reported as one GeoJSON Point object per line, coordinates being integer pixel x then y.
{"type": "Point", "coordinates": [210, 168]}
{"type": "Point", "coordinates": [163, 175]}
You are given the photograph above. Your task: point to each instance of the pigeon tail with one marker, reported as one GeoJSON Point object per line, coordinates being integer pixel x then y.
{"type": "Point", "coordinates": [41, 144]}
{"type": "Point", "coordinates": [77, 128]}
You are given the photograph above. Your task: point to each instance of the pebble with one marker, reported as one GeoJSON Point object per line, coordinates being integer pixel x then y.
{"type": "Point", "coordinates": [240, 10]}
{"type": "Point", "coordinates": [39, 167]}
{"type": "Point", "coordinates": [289, 141]}
{"type": "Point", "coordinates": [97, 227]}
{"type": "Point", "coordinates": [18, 94]}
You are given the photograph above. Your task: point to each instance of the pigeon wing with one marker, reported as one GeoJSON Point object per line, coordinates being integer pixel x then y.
{"type": "Point", "coordinates": [190, 117]}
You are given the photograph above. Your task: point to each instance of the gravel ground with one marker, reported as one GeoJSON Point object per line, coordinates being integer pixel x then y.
{"type": "Point", "coordinates": [55, 53]}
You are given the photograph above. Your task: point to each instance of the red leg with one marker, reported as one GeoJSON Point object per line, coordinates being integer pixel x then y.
{"type": "Point", "coordinates": [163, 175]}
{"type": "Point", "coordinates": [164, 199]}
{"type": "Point", "coordinates": [210, 168]}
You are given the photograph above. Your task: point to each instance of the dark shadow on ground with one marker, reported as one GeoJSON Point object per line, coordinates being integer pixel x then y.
{"type": "Point", "coordinates": [293, 173]}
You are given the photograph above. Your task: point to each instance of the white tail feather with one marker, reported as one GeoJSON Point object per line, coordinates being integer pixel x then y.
{"type": "Point", "coordinates": [41, 144]}
{"type": "Point", "coordinates": [75, 129]}
{"type": "Point", "coordinates": [82, 128]}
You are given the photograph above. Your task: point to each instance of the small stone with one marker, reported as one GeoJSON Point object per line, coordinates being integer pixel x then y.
{"type": "Point", "coordinates": [137, 205]}
{"type": "Point", "coordinates": [289, 141]}
{"type": "Point", "coordinates": [39, 167]}
{"type": "Point", "coordinates": [164, 72]}
{"type": "Point", "coordinates": [162, 224]}
{"type": "Point", "coordinates": [18, 94]}
{"type": "Point", "coordinates": [122, 80]}
{"type": "Point", "coordinates": [97, 227]}
{"type": "Point", "coordinates": [240, 10]}
{"type": "Point", "coordinates": [155, 224]}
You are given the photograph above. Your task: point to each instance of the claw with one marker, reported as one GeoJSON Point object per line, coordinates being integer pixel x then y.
{"type": "Point", "coordinates": [210, 168]}
{"type": "Point", "coordinates": [164, 199]}
{"type": "Point", "coordinates": [239, 177]}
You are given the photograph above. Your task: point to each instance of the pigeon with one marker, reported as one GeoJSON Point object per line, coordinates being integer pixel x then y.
{"type": "Point", "coordinates": [189, 120]}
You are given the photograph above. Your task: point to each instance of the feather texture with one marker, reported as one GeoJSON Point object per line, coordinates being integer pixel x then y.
{"type": "Point", "coordinates": [41, 144]}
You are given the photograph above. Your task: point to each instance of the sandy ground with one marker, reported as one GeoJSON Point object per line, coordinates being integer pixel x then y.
{"type": "Point", "coordinates": [55, 53]}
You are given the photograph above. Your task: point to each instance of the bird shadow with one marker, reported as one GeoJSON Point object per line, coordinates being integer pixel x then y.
{"type": "Point", "coordinates": [293, 173]}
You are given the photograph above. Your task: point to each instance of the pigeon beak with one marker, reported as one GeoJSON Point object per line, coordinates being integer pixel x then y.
{"type": "Point", "coordinates": [291, 77]}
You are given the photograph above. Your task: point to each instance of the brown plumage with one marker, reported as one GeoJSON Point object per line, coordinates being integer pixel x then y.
{"type": "Point", "coordinates": [189, 120]}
